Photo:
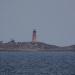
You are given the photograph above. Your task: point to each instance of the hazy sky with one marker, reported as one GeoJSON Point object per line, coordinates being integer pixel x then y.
{"type": "Point", "coordinates": [53, 19]}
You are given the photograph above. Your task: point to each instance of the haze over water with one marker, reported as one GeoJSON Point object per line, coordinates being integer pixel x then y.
{"type": "Point", "coordinates": [54, 20]}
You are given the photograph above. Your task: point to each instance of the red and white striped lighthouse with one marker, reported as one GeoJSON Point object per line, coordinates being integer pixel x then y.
{"type": "Point", "coordinates": [34, 36]}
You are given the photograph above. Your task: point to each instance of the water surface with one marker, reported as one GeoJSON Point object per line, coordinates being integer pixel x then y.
{"type": "Point", "coordinates": [37, 63]}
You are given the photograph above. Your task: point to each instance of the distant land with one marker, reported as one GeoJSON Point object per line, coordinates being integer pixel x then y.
{"type": "Point", "coordinates": [33, 46]}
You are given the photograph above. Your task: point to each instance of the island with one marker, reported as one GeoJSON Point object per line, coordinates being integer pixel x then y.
{"type": "Point", "coordinates": [32, 46]}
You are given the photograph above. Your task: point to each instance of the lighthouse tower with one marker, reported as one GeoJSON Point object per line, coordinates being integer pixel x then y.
{"type": "Point", "coordinates": [34, 36]}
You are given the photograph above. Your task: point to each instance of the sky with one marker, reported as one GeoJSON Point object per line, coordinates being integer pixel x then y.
{"type": "Point", "coordinates": [54, 21]}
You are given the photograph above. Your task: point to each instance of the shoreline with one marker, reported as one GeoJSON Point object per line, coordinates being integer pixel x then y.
{"type": "Point", "coordinates": [37, 51]}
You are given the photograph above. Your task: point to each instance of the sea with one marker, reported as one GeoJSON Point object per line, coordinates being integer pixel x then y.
{"type": "Point", "coordinates": [37, 63]}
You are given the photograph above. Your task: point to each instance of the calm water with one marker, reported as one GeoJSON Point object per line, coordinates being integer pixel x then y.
{"type": "Point", "coordinates": [37, 63]}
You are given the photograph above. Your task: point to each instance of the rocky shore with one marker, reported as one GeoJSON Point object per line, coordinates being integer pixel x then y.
{"type": "Point", "coordinates": [30, 46]}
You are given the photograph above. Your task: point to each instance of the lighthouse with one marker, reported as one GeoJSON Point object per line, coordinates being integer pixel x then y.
{"type": "Point", "coordinates": [34, 36]}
